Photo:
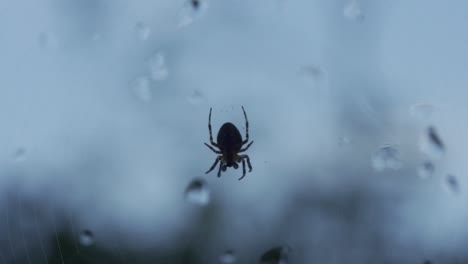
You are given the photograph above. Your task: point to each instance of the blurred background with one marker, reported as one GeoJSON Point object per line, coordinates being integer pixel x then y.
{"type": "Point", "coordinates": [357, 109]}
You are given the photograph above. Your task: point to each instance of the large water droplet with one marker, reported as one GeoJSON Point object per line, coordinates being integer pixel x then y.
{"type": "Point", "coordinates": [426, 169]}
{"type": "Point", "coordinates": [20, 154]}
{"type": "Point", "coordinates": [191, 11]}
{"type": "Point", "coordinates": [228, 257]}
{"type": "Point", "coordinates": [197, 192]}
{"type": "Point", "coordinates": [157, 66]}
{"type": "Point", "coordinates": [141, 89]}
{"type": "Point", "coordinates": [86, 238]}
{"type": "Point", "coordinates": [276, 255]}
{"type": "Point", "coordinates": [431, 144]}
{"type": "Point", "coordinates": [451, 182]}
{"type": "Point", "coordinates": [353, 11]}
{"type": "Point", "coordinates": [387, 157]}
{"type": "Point", "coordinates": [142, 31]}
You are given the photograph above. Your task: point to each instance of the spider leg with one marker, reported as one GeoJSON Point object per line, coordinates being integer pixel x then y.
{"type": "Point", "coordinates": [219, 170]}
{"type": "Point", "coordinates": [243, 169]}
{"type": "Point", "coordinates": [211, 133]}
{"type": "Point", "coordinates": [246, 127]}
{"type": "Point", "coordinates": [246, 148]}
{"type": "Point", "coordinates": [248, 161]}
{"type": "Point", "coordinates": [214, 150]}
{"type": "Point", "coordinates": [214, 164]}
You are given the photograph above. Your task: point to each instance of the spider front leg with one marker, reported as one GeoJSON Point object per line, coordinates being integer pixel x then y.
{"type": "Point", "coordinates": [211, 134]}
{"type": "Point", "coordinates": [246, 128]}
{"type": "Point", "coordinates": [246, 148]}
{"type": "Point", "coordinates": [214, 164]}
{"type": "Point", "coordinates": [213, 149]}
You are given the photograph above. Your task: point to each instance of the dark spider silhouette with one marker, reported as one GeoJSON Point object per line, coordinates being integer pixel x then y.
{"type": "Point", "coordinates": [230, 145]}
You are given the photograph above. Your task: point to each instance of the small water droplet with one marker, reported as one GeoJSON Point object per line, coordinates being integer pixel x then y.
{"type": "Point", "coordinates": [86, 238]}
{"type": "Point", "coordinates": [431, 144]}
{"type": "Point", "coordinates": [451, 183]}
{"type": "Point", "coordinates": [48, 40]}
{"type": "Point", "coordinates": [228, 257]}
{"type": "Point", "coordinates": [426, 169]}
{"type": "Point", "coordinates": [197, 192]}
{"type": "Point", "coordinates": [142, 30]}
{"type": "Point", "coordinates": [422, 111]}
{"type": "Point", "coordinates": [387, 157]}
{"type": "Point", "coordinates": [313, 72]}
{"type": "Point", "coordinates": [157, 66]}
{"type": "Point", "coordinates": [191, 11]}
{"type": "Point", "coordinates": [20, 154]}
{"type": "Point", "coordinates": [196, 98]}
{"type": "Point", "coordinates": [276, 255]}
{"type": "Point", "coordinates": [141, 89]}
{"type": "Point", "coordinates": [427, 262]}
{"type": "Point", "coordinates": [344, 141]}
{"type": "Point", "coordinates": [353, 11]}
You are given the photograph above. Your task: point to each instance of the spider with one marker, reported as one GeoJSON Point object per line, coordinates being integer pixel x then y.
{"type": "Point", "coordinates": [230, 145]}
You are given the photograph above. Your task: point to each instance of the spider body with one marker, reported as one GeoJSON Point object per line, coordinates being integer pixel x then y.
{"type": "Point", "coordinates": [230, 145]}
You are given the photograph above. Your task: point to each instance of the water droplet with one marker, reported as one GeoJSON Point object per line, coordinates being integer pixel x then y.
{"type": "Point", "coordinates": [387, 157]}
{"type": "Point", "coordinates": [48, 40]}
{"type": "Point", "coordinates": [426, 169]}
{"type": "Point", "coordinates": [353, 11]}
{"type": "Point", "coordinates": [344, 141]}
{"type": "Point", "coordinates": [451, 183]}
{"type": "Point", "coordinates": [431, 144]}
{"type": "Point", "coordinates": [422, 111]}
{"type": "Point", "coordinates": [191, 11]}
{"type": "Point", "coordinates": [276, 255]}
{"type": "Point", "coordinates": [157, 66]}
{"type": "Point", "coordinates": [20, 154]}
{"type": "Point", "coordinates": [86, 238]}
{"type": "Point", "coordinates": [312, 71]}
{"type": "Point", "coordinates": [141, 89]}
{"type": "Point", "coordinates": [228, 257]}
{"type": "Point", "coordinates": [196, 98]}
{"type": "Point", "coordinates": [427, 262]}
{"type": "Point", "coordinates": [197, 192]}
{"type": "Point", "coordinates": [142, 30]}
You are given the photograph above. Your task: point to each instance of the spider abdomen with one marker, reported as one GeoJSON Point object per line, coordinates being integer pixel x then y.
{"type": "Point", "coordinates": [229, 138]}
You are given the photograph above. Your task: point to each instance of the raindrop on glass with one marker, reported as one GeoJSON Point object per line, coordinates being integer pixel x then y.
{"type": "Point", "coordinates": [344, 141]}
{"type": "Point", "coordinates": [228, 257]}
{"type": "Point", "coordinates": [141, 89]}
{"type": "Point", "coordinates": [422, 111]}
{"type": "Point", "coordinates": [387, 157]}
{"type": "Point", "coordinates": [195, 98]}
{"type": "Point", "coordinates": [451, 182]}
{"type": "Point", "coordinates": [86, 238]}
{"type": "Point", "coordinates": [312, 71]}
{"type": "Point", "coordinates": [197, 192]}
{"type": "Point", "coordinates": [191, 11]}
{"type": "Point", "coordinates": [157, 66]}
{"type": "Point", "coordinates": [426, 169]}
{"type": "Point", "coordinates": [142, 31]}
{"type": "Point", "coordinates": [427, 262]}
{"type": "Point", "coordinates": [20, 154]}
{"type": "Point", "coordinates": [48, 40]}
{"type": "Point", "coordinates": [353, 11]}
{"type": "Point", "coordinates": [431, 144]}
{"type": "Point", "coordinates": [276, 255]}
